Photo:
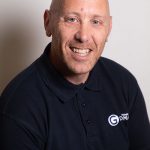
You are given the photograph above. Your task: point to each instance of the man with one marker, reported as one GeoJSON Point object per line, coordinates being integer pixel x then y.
{"type": "Point", "coordinates": [71, 98]}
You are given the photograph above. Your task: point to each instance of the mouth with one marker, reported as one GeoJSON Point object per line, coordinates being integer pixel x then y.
{"type": "Point", "coordinates": [81, 51]}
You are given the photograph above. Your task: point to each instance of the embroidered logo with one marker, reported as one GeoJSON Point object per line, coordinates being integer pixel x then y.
{"type": "Point", "coordinates": [114, 119]}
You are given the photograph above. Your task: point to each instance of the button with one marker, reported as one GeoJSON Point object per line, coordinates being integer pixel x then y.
{"type": "Point", "coordinates": [88, 122]}
{"type": "Point", "coordinates": [83, 104]}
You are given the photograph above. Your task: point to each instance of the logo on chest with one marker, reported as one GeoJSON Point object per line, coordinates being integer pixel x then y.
{"type": "Point", "coordinates": [115, 119]}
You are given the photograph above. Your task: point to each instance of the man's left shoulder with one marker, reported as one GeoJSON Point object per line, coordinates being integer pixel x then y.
{"type": "Point", "coordinates": [115, 70]}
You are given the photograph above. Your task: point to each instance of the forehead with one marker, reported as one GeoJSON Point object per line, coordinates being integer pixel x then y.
{"type": "Point", "coordinates": [85, 6]}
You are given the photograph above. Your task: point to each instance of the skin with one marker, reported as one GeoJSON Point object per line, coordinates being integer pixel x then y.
{"type": "Point", "coordinates": [79, 30]}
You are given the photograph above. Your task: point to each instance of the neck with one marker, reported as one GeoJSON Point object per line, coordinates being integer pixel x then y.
{"type": "Point", "coordinates": [77, 79]}
{"type": "Point", "coordinates": [69, 76]}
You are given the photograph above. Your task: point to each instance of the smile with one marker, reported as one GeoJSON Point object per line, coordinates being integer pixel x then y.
{"type": "Point", "coordinates": [81, 52]}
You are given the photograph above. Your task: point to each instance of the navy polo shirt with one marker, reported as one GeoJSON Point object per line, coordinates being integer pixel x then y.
{"type": "Point", "coordinates": [40, 110]}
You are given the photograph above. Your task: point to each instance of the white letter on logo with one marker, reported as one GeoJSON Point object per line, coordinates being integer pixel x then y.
{"type": "Point", "coordinates": [113, 120]}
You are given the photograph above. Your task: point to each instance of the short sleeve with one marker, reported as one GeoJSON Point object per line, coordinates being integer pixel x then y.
{"type": "Point", "coordinates": [139, 126]}
{"type": "Point", "coordinates": [14, 135]}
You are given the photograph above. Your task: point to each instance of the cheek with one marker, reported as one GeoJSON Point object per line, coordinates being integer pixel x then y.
{"type": "Point", "coordinates": [67, 31]}
{"type": "Point", "coordinates": [61, 35]}
{"type": "Point", "coordinates": [58, 31]}
{"type": "Point", "coordinates": [99, 39]}
{"type": "Point", "coordinates": [101, 35]}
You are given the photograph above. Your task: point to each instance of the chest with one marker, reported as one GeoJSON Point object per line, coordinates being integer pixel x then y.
{"type": "Point", "coordinates": [91, 120]}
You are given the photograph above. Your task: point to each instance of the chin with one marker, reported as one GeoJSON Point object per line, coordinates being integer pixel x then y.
{"type": "Point", "coordinates": [81, 70]}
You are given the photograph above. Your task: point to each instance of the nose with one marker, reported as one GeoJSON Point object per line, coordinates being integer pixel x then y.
{"type": "Point", "coordinates": [83, 34]}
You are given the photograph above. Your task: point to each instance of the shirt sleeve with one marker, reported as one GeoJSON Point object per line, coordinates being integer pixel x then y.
{"type": "Point", "coordinates": [139, 126]}
{"type": "Point", "coordinates": [14, 135]}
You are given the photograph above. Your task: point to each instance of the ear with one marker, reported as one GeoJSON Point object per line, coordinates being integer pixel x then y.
{"type": "Point", "coordinates": [110, 25]}
{"type": "Point", "coordinates": [47, 23]}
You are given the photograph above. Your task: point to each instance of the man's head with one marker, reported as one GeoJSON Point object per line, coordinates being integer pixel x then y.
{"type": "Point", "coordinates": [79, 30]}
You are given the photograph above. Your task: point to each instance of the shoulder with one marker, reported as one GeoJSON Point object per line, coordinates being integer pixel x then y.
{"type": "Point", "coordinates": [22, 81]}
{"type": "Point", "coordinates": [120, 81]}
{"type": "Point", "coordinates": [22, 102]}
{"type": "Point", "coordinates": [112, 65]}
{"type": "Point", "coordinates": [115, 70]}
{"type": "Point", "coordinates": [118, 78]}
{"type": "Point", "coordinates": [22, 93]}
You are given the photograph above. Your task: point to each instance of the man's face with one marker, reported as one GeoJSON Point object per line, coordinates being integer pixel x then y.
{"type": "Point", "coordinates": [79, 31]}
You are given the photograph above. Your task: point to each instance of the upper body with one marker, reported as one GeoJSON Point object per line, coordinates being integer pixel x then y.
{"type": "Point", "coordinates": [71, 97]}
{"type": "Point", "coordinates": [40, 110]}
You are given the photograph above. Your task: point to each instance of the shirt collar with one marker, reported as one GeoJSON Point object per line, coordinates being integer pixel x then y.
{"type": "Point", "coordinates": [62, 88]}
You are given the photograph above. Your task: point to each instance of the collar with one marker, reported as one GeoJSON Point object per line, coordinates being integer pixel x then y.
{"type": "Point", "coordinates": [62, 88]}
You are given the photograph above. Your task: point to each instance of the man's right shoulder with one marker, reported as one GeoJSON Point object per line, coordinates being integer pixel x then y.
{"type": "Point", "coordinates": [23, 101]}
{"type": "Point", "coordinates": [26, 85]}
{"type": "Point", "coordinates": [23, 81]}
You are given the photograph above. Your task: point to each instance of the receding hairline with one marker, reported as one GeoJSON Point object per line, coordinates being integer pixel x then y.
{"type": "Point", "coordinates": [57, 4]}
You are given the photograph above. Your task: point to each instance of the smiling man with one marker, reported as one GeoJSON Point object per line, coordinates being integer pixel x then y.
{"type": "Point", "coordinates": [79, 31]}
{"type": "Point", "coordinates": [71, 98]}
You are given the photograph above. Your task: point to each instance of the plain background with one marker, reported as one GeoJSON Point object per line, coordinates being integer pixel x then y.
{"type": "Point", "coordinates": [22, 38]}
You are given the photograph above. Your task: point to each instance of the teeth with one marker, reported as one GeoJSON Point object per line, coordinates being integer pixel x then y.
{"type": "Point", "coordinates": [81, 52]}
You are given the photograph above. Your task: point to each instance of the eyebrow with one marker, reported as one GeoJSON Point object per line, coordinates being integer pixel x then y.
{"type": "Point", "coordinates": [78, 14]}
{"type": "Point", "coordinates": [71, 13]}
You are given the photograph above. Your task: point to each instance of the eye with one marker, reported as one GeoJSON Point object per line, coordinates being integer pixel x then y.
{"type": "Point", "coordinates": [97, 22]}
{"type": "Point", "coordinates": [71, 19]}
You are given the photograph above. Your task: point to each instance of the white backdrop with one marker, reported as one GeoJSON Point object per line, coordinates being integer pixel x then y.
{"type": "Point", "coordinates": [22, 38]}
